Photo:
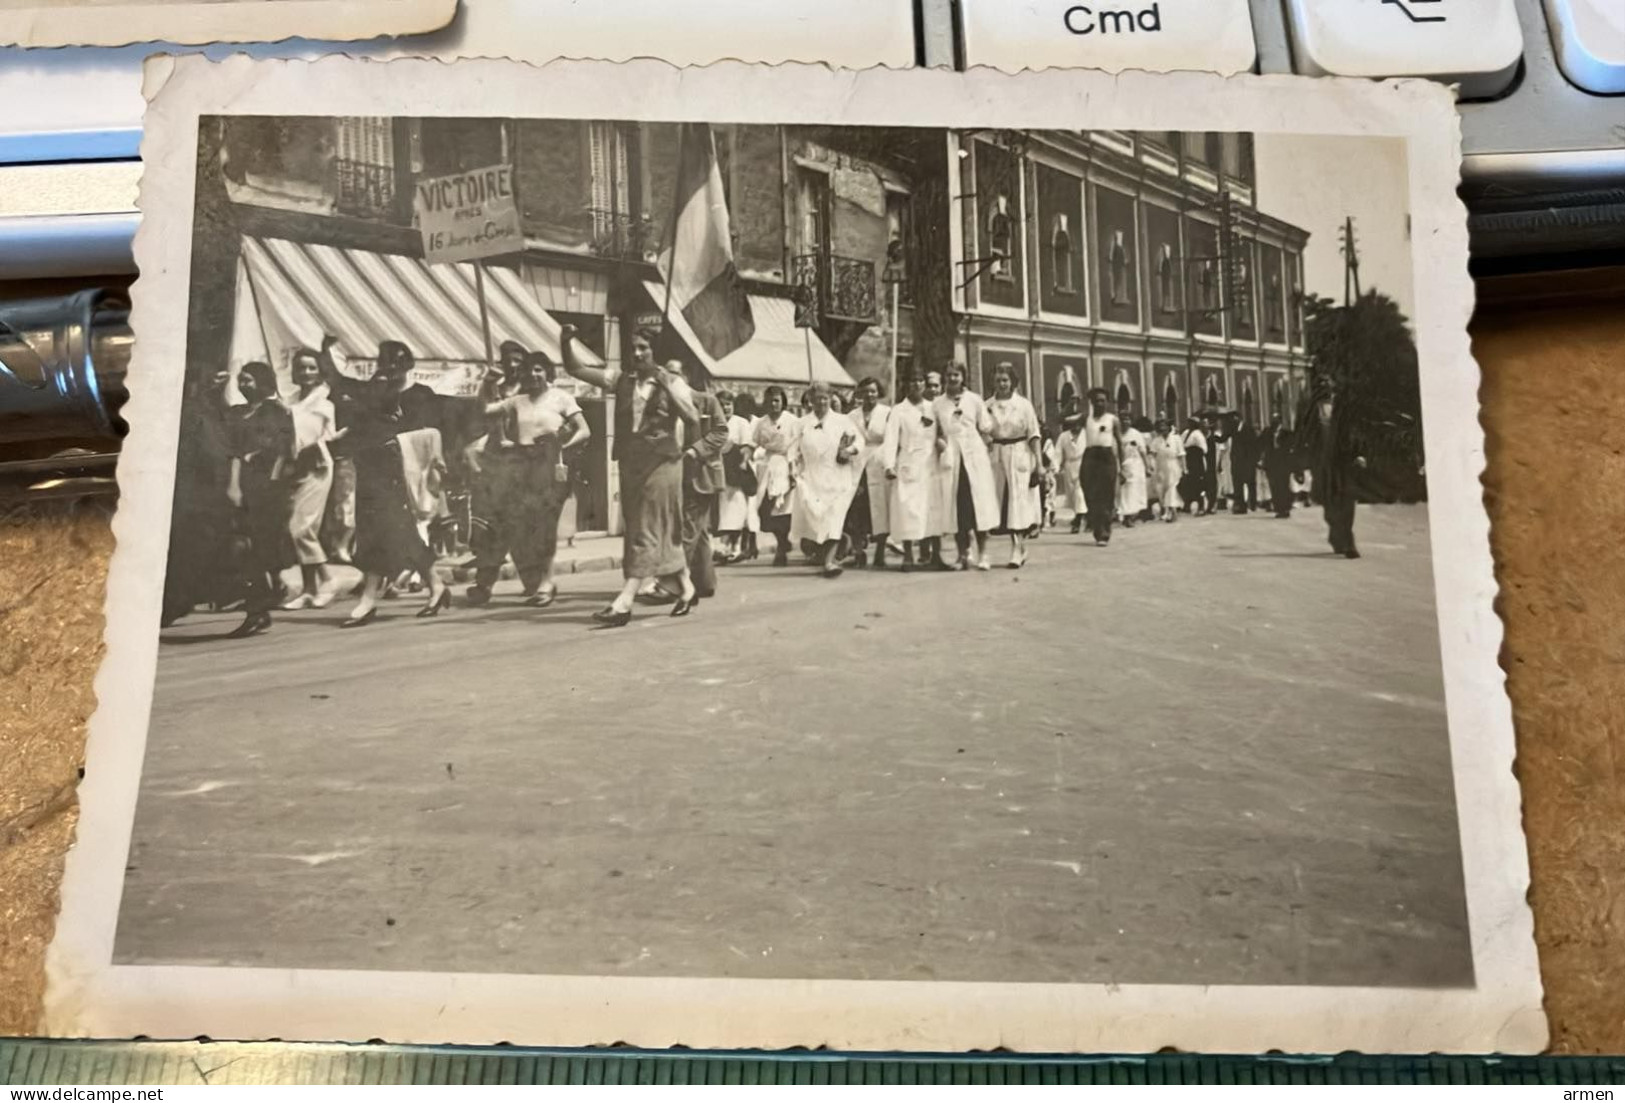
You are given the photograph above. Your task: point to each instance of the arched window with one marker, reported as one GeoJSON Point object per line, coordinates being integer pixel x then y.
{"type": "Point", "coordinates": [1165, 280]}
{"type": "Point", "coordinates": [1211, 396]}
{"type": "Point", "coordinates": [999, 230]}
{"type": "Point", "coordinates": [1117, 268]}
{"type": "Point", "coordinates": [1125, 398]}
{"type": "Point", "coordinates": [1249, 409]}
{"type": "Point", "coordinates": [1067, 391]}
{"type": "Point", "coordinates": [1060, 244]}
{"type": "Point", "coordinates": [1207, 286]}
{"type": "Point", "coordinates": [1278, 400]}
{"type": "Point", "coordinates": [1170, 401]}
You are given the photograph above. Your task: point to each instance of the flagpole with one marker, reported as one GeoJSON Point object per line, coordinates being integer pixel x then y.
{"type": "Point", "coordinates": [485, 315]}
{"type": "Point", "coordinates": [676, 212]}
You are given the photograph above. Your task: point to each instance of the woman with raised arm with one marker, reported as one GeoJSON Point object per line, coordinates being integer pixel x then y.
{"type": "Point", "coordinates": [373, 416]}
{"type": "Point", "coordinates": [649, 402]}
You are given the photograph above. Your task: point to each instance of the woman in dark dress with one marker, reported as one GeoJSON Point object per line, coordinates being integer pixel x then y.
{"type": "Point", "coordinates": [1194, 486]}
{"type": "Point", "coordinates": [260, 494]}
{"type": "Point", "coordinates": [649, 403]}
{"type": "Point", "coordinates": [371, 417]}
{"type": "Point", "coordinates": [198, 570]}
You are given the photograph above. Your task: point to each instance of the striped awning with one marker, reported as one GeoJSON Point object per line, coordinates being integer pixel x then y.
{"type": "Point", "coordinates": [302, 291]}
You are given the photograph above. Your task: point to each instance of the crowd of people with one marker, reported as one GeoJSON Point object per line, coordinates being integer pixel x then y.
{"type": "Point", "coordinates": [345, 471]}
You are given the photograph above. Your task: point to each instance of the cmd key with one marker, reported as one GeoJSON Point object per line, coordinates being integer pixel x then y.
{"type": "Point", "coordinates": [1157, 35]}
{"type": "Point", "coordinates": [1474, 43]}
{"type": "Point", "coordinates": [1590, 38]}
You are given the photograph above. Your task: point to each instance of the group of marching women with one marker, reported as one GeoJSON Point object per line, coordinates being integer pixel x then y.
{"type": "Point", "coordinates": [343, 470]}
{"type": "Point", "coordinates": [848, 485]}
{"type": "Point", "coordinates": [352, 471]}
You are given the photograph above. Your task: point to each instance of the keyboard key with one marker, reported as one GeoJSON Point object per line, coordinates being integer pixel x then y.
{"type": "Point", "coordinates": [1474, 43]}
{"type": "Point", "coordinates": [1590, 38]}
{"type": "Point", "coordinates": [1158, 35]}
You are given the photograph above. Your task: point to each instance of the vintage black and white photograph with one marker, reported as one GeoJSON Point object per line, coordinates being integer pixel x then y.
{"type": "Point", "coordinates": [787, 550]}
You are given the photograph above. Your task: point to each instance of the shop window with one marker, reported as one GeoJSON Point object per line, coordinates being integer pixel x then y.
{"type": "Point", "coordinates": [1000, 228]}
{"type": "Point", "coordinates": [1060, 241]}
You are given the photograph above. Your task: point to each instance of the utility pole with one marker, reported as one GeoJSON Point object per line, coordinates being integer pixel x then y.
{"type": "Point", "coordinates": [1351, 262]}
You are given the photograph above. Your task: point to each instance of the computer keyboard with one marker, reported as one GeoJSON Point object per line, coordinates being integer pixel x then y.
{"type": "Point", "coordinates": [1543, 114]}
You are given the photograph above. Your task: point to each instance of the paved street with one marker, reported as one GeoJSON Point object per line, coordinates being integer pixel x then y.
{"type": "Point", "coordinates": [1210, 753]}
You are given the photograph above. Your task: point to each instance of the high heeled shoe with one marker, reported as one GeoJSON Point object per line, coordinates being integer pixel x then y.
{"type": "Point", "coordinates": [611, 617]}
{"type": "Point", "coordinates": [363, 620]}
{"type": "Point", "coordinates": [684, 606]}
{"type": "Point", "coordinates": [435, 607]}
{"type": "Point", "coordinates": [252, 625]}
{"type": "Point", "coordinates": [543, 597]}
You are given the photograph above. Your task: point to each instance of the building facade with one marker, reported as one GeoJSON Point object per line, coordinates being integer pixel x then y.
{"type": "Point", "coordinates": [1137, 262]}
{"type": "Point", "coordinates": [1141, 263]}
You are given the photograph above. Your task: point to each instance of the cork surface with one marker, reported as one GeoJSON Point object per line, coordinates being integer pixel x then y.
{"type": "Point", "coordinates": [1554, 413]}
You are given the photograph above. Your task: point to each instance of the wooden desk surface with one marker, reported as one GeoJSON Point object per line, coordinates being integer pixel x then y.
{"type": "Point", "coordinates": [1553, 357]}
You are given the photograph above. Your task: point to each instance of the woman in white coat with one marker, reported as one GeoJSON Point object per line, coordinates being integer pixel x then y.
{"type": "Point", "coordinates": [910, 454]}
{"type": "Point", "coordinates": [775, 437]}
{"type": "Point", "coordinates": [971, 494]}
{"type": "Point", "coordinates": [735, 517]}
{"type": "Point", "coordinates": [1017, 462]}
{"type": "Point", "coordinates": [1132, 497]}
{"type": "Point", "coordinates": [1068, 464]}
{"type": "Point", "coordinates": [826, 478]}
{"type": "Point", "coordinates": [870, 518]}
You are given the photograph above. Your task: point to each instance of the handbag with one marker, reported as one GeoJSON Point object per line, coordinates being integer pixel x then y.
{"type": "Point", "coordinates": [738, 473]}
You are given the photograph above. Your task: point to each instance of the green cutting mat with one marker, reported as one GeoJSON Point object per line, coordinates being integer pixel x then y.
{"type": "Point", "coordinates": [25, 1061]}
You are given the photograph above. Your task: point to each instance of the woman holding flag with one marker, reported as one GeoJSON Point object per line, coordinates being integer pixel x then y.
{"type": "Point", "coordinates": [649, 402]}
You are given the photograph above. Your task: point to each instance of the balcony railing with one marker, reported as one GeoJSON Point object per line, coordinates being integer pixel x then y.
{"type": "Point", "coordinates": [835, 288]}
{"type": "Point", "coordinates": [621, 236]}
{"type": "Point", "coordinates": [364, 190]}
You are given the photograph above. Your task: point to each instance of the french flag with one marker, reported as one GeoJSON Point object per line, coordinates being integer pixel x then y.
{"type": "Point", "coordinates": [698, 262]}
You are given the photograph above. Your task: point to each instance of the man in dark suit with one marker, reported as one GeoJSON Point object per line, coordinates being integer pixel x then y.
{"type": "Point", "coordinates": [1244, 465]}
{"type": "Point", "coordinates": [1277, 454]}
{"type": "Point", "coordinates": [703, 481]}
